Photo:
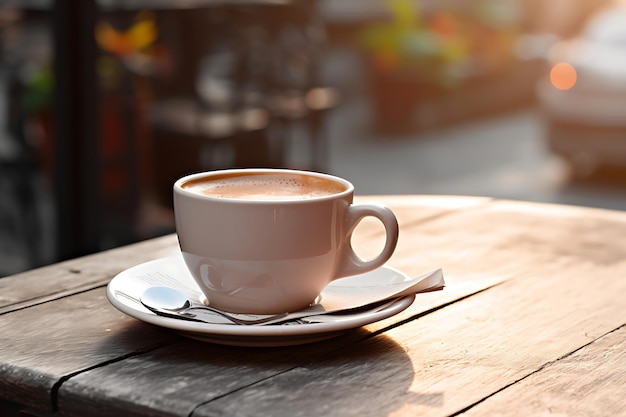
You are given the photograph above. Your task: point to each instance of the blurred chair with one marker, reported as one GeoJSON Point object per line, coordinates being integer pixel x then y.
{"type": "Point", "coordinates": [255, 80]}
{"type": "Point", "coordinates": [20, 221]}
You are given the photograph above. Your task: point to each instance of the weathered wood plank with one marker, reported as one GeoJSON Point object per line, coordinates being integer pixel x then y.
{"type": "Point", "coordinates": [589, 382]}
{"type": "Point", "coordinates": [562, 293]}
{"type": "Point", "coordinates": [79, 275]}
{"type": "Point", "coordinates": [173, 380]}
{"type": "Point", "coordinates": [76, 275]}
{"type": "Point", "coordinates": [209, 380]}
{"type": "Point", "coordinates": [43, 344]}
{"type": "Point", "coordinates": [360, 380]}
{"type": "Point", "coordinates": [421, 364]}
{"type": "Point", "coordinates": [368, 238]}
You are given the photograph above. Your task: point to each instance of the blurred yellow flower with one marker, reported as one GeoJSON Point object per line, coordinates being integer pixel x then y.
{"type": "Point", "coordinates": [123, 43]}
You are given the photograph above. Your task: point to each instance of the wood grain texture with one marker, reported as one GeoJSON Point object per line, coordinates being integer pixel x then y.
{"type": "Point", "coordinates": [174, 380]}
{"type": "Point", "coordinates": [80, 274]}
{"type": "Point", "coordinates": [368, 238]}
{"type": "Point", "coordinates": [589, 382]}
{"type": "Point", "coordinates": [152, 370]}
{"type": "Point", "coordinates": [529, 288]}
{"type": "Point", "coordinates": [564, 290]}
{"type": "Point", "coordinates": [52, 316]}
{"type": "Point", "coordinates": [42, 345]}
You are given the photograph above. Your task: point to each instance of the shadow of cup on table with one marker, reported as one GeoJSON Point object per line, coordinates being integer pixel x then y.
{"type": "Point", "coordinates": [332, 381]}
{"type": "Point", "coordinates": [194, 375]}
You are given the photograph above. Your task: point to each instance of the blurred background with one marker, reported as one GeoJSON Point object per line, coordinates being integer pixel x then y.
{"type": "Point", "coordinates": [103, 104]}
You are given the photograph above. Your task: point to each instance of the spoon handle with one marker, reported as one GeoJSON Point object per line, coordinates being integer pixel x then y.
{"type": "Point", "coordinates": [181, 315]}
{"type": "Point", "coordinates": [246, 319]}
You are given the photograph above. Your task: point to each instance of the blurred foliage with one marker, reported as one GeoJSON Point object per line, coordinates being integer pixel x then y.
{"type": "Point", "coordinates": [125, 42]}
{"type": "Point", "coordinates": [134, 48]}
{"type": "Point", "coordinates": [444, 47]}
{"type": "Point", "coordinates": [38, 89]}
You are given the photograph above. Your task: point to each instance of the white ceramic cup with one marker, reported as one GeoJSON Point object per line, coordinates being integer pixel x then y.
{"type": "Point", "coordinates": [274, 254]}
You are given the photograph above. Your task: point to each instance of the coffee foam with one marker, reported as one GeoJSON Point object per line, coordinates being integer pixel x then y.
{"type": "Point", "coordinates": [266, 187]}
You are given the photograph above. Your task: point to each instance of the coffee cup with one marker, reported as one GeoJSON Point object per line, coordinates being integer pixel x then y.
{"type": "Point", "coordinates": [265, 241]}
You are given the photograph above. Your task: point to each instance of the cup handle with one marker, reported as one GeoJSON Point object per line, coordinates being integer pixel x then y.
{"type": "Point", "coordinates": [353, 264]}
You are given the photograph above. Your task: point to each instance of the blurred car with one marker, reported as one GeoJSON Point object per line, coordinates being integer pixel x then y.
{"type": "Point", "coordinates": [584, 97]}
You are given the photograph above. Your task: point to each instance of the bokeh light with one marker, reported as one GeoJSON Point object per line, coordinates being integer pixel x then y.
{"type": "Point", "coordinates": [563, 76]}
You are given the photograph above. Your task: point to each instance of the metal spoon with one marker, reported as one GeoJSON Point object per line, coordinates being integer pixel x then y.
{"type": "Point", "coordinates": [168, 302]}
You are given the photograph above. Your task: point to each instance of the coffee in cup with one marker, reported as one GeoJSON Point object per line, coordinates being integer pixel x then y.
{"type": "Point", "coordinates": [264, 186]}
{"type": "Point", "coordinates": [265, 241]}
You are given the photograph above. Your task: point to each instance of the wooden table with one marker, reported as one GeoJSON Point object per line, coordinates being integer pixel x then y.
{"type": "Point", "coordinates": [531, 322]}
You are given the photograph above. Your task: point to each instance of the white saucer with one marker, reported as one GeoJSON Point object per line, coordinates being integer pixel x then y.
{"type": "Point", "coordinates": [125, 289]}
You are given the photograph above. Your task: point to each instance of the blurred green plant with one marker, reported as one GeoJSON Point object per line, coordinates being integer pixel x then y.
{"type": "Point", "coordinates": [135, 48]}
{"type": "Point", "coordinates": [38, 89]}
{"type": "Point", "coordinates": [445, 47]}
